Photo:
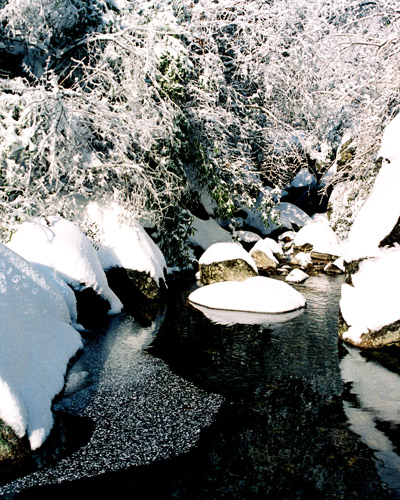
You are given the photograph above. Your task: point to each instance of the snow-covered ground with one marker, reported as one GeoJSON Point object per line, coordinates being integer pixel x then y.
{"type": "Point", "coordinates": [372, 302]}
{"type": "Point", "coordinates": [257, 295]}
{"type": "Point", "coordinates": [36, 343]}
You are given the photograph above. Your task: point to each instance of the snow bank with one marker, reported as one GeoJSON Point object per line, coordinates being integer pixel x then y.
{"type": "Point", "coordinates": [208, 232]}
{"type": "Point", "coordinates": [381, 210]}
{"type": "Point", "coordinates": [59, 244]}
{"type": "Point", "coordinates": [36, 343]}
{"type": "Point", "coordinates": [258, 295]}
{"type": "Point", "coordinates": [373, 300]}
{"type": "Point", "coordinates": [124, 243]}
{"type": "Point", "coordinates": [321, 236]}
{"type": "Point", "coordinates": [219, 252]}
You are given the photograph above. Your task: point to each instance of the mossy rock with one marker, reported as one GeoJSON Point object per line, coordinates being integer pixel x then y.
{"type": "Point", "coordinates": [13, 450]}
{"type": "Point", "coordinates": [227, 270]}
{"type": "Point", "coordinates": [145, 284]}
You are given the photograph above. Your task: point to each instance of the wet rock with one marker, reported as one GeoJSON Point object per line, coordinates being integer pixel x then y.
{"type": "Point", "coordinates": [13, 450]}
{"type": "Point", "coordinates": [320, 258]}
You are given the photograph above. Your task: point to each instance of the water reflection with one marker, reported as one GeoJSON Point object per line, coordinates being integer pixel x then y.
{"type": "Point", "coordinates": [222, 317]}
{"type": "Point", "coordinates": [372, 406]}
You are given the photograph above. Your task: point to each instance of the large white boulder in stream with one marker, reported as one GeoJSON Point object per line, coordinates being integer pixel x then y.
{"type": "Point", "coordinates": [226, 262]}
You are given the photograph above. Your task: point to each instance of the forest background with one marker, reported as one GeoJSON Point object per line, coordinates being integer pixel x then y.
{"type": "Point", "coordinates": [151, 103]}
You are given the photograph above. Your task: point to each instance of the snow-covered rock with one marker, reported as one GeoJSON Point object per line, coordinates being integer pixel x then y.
{"type": "Point", "coordinates": [304, 178]}
{"type": "Point", "coordinates": [263, 256]}
{"type": "Point", "coordinates": [297, 276]}
{"type": "Point", "coordinates": [123, 243]}
{"type": "Point", "coordinates": [284, 215]}
{"type": "Point", "coordinates": [381, 211]}
{"type": "Point", "coordinates": [320, 237]}
{"type": "Point", "coordinates": [258, 295]}
{"type": "Point", "coordinates": [226, 262]}
{"type": "Point", "coordinates": [302, 259]}
{"type": "Point", "coordinates": [36, 344]}
{"type": "Point", "coordinates": [62, 246]}
{"type": "Point", "coordinates": [370, 305]}
{"type": "Point", "coordinates": [208, 232]}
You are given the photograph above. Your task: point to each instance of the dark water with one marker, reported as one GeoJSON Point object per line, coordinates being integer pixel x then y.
{"type": "Point", "coordinates": [187, 408]}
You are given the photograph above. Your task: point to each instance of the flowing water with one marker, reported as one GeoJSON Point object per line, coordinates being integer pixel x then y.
{"type": "Point", "coordinates": [200, 404]}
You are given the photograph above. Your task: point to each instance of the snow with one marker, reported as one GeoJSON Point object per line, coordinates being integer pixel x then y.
{"type": "Point", "coordinates": [303, 259]}
{"type": "Point", "coordinates": [304, 178]}
{"type": "Point", "coordinates": [219, 252]}
{"type": "Point", "coordinates": [36, 344]}
{"type": "Point", "coordinates": [373, 300]}
{"type": "Point", "coordinates": [284, 215]}
{"type": "Point", "coordinates": [321, 236]}
{"type": "Point", "coordinates": [258, 295]}
{"type": "Point", "coordinates": [208, 232]}
{"type": "Point", "coordinates": [123, 242]}
{"type": "Point", "coordinates": [274, 246]}
{"type": "Point", "coordinates": [248, 236]}
{"type": "Point", "coordinates": [381, 210]}
{"type": "Point", "coordinates": [59, 244]}
{"type": "Point", "coordinates": [297, 276]}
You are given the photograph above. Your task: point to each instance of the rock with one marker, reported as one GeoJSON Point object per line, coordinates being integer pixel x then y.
{"type": "Point", "coordinates": [302, 259]}
{"type": "Point", "coordinates": [13, 450]}
{"type": "Point", "coordinates": [319, 258]}
{"type": "Point", "coordinates": [386, 336]}
{"type": "Point", "coordinates": [226, 262]}
{"type": "Point", "coordinates": [393, 237]}
{"type": "Point", "coordinates": [287, 237]}
{"type": "Point", "coordinates": [297, 276]}
{"type": "Point", "coordinates": [263, 256]}
{"type": "Point", "coordinates": [332, 268]}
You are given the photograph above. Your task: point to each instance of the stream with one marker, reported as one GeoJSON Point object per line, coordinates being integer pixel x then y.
{"type": "Point", "coordinates": [207, 405]}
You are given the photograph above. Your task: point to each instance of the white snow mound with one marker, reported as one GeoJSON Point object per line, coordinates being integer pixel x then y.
{"type": "Point", "coordinates": [59, 244]}
{"type": "Point", "coordinates": [36, 343]}
{"type": "Point", "coordinates": [258, 294]}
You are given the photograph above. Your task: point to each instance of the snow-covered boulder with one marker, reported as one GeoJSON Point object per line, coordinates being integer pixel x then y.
{"type": "Point", "coordinates": [36, 344]}
{"type": "Point", "coordinates": [263, 256]}
{"type": "Point", "coordinates": [296, 276]}
{"type": "Point", "coordinates": [283, 216]}
{"type": "Point", "coordinates": [131, 259]}
{"type": "Point", "coordinates": [208, 232]}
{"type": "Point", "coordinates": [304, 178]}
{"type": "Point", "coordinates": [247, 238]}
{"type": "Point", "coordinates": [370, 305]}
{"type": "Point", "coordinates": [60, 245]}
{"type": "Point", "coordinates": [226, 262]}
{"type": "Point", "coordinates": [319, 237]}
{"type": "Point", "coordinates": [257, 295]}
{"type": "Point", "coordinates": [370, 301]}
